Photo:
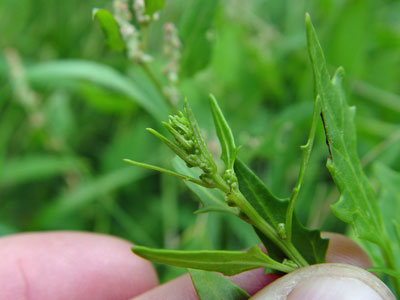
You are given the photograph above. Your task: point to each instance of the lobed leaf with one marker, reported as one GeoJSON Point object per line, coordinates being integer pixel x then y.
{"type": "Point", "coordinates": [110, 29]}
{"type": "Point", "coordinates": [308, 242]}
{"type": "Point", "coordinates": [225, 262]}
{"type": "Point", "coordinates": [357, 204]}
{"type": "Point", "coordinates": [211, 286]}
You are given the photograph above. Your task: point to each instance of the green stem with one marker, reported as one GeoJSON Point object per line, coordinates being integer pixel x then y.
{"type": "Point", "coordinates": [158, 85]}
{"type": "Point", "coordinates": [255, 219]}
{"type": "Point", "coordinates": [306, 152]}
{"type": "Point", "coordinates": [144, 34]}
{"type": "Point", "coordinates": [262, 225]}
{"type": "Point", "coordinates": [280, 267]}
{"type": "Point", "coordinates": [387, 254]}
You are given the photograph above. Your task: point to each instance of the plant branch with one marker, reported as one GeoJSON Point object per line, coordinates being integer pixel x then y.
{"type": "Point", "coordinates": [387, 253]}
{"type": "Point", "coordinates": [262, 225]}
{"type": "Point", "coordinates": [306, 152]}
{"type": "Point", "coordinates": [158, 85]}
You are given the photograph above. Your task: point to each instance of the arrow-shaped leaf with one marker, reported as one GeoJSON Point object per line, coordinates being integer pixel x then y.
{"type": "Point", "coordinates": [308, 242]}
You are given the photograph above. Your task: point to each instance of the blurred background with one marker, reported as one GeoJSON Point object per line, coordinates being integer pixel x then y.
{"type": "Point", "coordinates": [71, 109]}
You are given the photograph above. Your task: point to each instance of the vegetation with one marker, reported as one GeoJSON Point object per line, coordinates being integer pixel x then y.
{"type": "Point", "coordinates": [76, 97]}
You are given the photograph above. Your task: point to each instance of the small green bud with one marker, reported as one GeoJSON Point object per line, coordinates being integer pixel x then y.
{"type": "Point", "coordinates": [187, 145]}
{"type": "Point", "coordinates": [290, 263]}
{"type": "Point", "coordinates": [207, 179]}
{"type": "Point", "coordinates": [194, 160]}
{"type": "Point", "coordinates": [180, 124]}
{"type": "Point", "coordinates": [282, 231]}
{"type": "Point", "coordinates": [231, 179]}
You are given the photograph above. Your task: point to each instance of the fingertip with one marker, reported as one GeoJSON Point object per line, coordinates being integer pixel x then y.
{"type": "Point", "coordinates": [71, 265]}
{"type": "Point", "coordinates": [343, 250]}
{"type": "Point", "coordinates": [182, 288]}
{"type": "Point", "coordinates": [327, 281]}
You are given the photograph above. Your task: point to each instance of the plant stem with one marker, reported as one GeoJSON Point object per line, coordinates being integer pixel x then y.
{"type": "Point", "coordinates": [257, 221]}
{"type": "Point", "coordinates": [387, 254]}
{"type": "Point", "coordinates": [158, 85]}
{"type": "Point", "coordinates": [280, 267]}
{"type": "Point", "coordinates": [306, 152]}
{"type": "Point", "coordinates": [262, 225]}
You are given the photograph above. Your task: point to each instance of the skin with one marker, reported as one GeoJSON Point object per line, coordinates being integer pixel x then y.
{"type": "Point", "coordinates": [78, 265]}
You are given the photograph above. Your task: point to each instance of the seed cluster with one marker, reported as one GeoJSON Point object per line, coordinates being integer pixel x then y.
{"type": "Point", "coordinates": [181, 130]}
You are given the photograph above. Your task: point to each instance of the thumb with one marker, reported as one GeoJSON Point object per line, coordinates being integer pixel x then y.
{"type": "Point", "coordinates": [326, 281]}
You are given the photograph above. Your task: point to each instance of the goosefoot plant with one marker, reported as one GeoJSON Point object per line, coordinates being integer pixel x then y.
{"type": "Point", "coordinates": [290, 245]}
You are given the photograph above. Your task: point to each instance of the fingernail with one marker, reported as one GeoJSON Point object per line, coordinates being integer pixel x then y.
{"type": "Point", "coordinates": [328, 282]}
{"type": "Point", "coordinates": [333, 288]}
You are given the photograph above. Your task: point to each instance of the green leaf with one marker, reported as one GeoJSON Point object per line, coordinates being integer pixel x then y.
{"type": "Point", "coordinates": [211, 199]}
{"type": "Point", "coordinates": [110, 29]}
{"type": "Point", "coordinates": [193, 29]}
{"type": "Point", "coordinates": [37, 167]}
{"type": "Point", "coordinates": [153, 6]}
{"type": "Point", "coordinates": [389, 203]}
{"type": "Point", "coordinates": [308, 242]}
{"type": "Point", "coordinates": [211, 286]}
{"type": "Point", "coordinates": [105, 101]}
{"type": "Point", "coordinates": [224, 133]}
{"type": "Point", "coordinates": [386, 271]}
{"type": "Point", "coordinates": [357, 204]}
{"type": "Point", "coordinates": [225, 262]}
{"type": "Point", "coordinates": [86, 193]}
{"type": "Point", "coordinates": [162, 170]}
{"type": "Point", "coordinates": [59, 71]}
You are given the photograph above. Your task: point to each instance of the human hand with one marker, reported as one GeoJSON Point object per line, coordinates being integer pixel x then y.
{"type": "Point", "coordinates": [72, 265]}
{"type": "Point", "coordinates": [342, 278]}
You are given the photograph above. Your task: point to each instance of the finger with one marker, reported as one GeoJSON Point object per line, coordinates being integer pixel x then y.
{"type": "Point", "coordinates": [71, 265]}
{"type": "Point", "coordinates": [344, 250]}
{"type": "Point", "coordinates": [326, 281]}
{"type": "Point", "coordinates": [182, 288]}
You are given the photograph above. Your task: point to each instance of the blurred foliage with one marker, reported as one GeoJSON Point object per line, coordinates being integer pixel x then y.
{"type": "Point", "coordinates": [71, 110]}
